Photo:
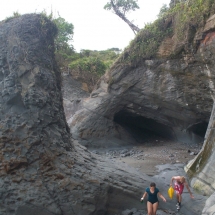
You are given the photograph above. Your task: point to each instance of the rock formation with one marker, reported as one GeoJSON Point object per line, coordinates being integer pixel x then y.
{"type": "Point", "coordinates": [201, 169]}
{"type": "Point", "coordinates": [73, 93]}
{"type": "Point", "coordinates": [171, 94]}
{"type": "Point", "coordinates": [42, 170]}
{"type": "Point", "coordinates": [172, 97]}
{"type": "Point", "coordinates": [45, 171]}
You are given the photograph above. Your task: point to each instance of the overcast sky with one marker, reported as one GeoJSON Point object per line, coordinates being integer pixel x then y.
{"type": "Point", "coordinates": [94, 27]}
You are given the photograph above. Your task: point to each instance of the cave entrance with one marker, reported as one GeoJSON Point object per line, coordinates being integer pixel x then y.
{"type": "Point", "coordinates": [197, 131]}
{"type": "Point", "coordinates": [143, 129]}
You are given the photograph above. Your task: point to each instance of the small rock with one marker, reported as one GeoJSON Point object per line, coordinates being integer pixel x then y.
{"type": "Point", "coordinates": [95, 152]}
{"type": "Point", "coordinates": [124, 151]}
{"type": "Point", "coordinates": [127, 212]}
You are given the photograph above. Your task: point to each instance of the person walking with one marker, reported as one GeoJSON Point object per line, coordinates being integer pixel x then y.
{"type": "Point", "coordinates": [152, 201]}
{"type": "Point", "coordinates": [179, 182]}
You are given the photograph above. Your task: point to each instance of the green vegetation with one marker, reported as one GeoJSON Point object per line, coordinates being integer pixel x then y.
{"type": "Point", "coordinates": [85, 64]}
{"type": "Point", "coordinates": [183, 19]}
{"type": "Point", "coordinates": [163, 10]}
{"type": "Point", "coordinates": [65, 31]}
{"type": "Point", "coordinates": [96, 62]}
{"type": "Point", "coordinates": [121, 8]}
{"type": "Point", "coordinates": [15, 15]}
{"type": "Point", "coordinates": [63, 41]}
{"type": "Point", "coordinates": [88, 66]}
{"type": "Point", "coordinates": [146, 43]}
{"type": "Point", "coordinates": [192, 13]}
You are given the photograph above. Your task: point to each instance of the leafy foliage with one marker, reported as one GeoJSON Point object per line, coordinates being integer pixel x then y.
{"type": "Point", "coordinates": [191, 13]}
{"type": "Point", "coordinates": [186, 17]}
{"type": "Point", "coordinates": [146, 43]}
{"type": "Point", "coordinates": [15, 15]}
{"type": "Point", "coordinates": [96, 62]}
{"type": "Point", "coordinates": [65, 31]}
{"type": "Point", "coordinates": [88, 66]}
{"type": "Point", "coordinates": [123, 6]}
{"type": "Point", "coordinates": [86, 63]}
{"type": "Point", "coordinates": [163, 10]}
{"type": "Point", "coordinates": [63, 41]}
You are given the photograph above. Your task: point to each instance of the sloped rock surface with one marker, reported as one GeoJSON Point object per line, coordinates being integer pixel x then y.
{"type": "Point", "coordinates": [209, 205]}
{"type": "Point", "coordinates": [42, 171]}
{"type": "Point", "coordinates": [73, 95]}
{"type": "Point", "coordinates": [170, 97]}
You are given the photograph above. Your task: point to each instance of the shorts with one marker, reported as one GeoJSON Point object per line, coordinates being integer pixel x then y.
{"type": "Point", "coordinates": [152, 202]}
{"type": "Point", "coordinates": [179, 188]}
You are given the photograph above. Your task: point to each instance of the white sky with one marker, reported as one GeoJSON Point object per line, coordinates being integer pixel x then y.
{"type": "Point", "coordinates": [94, 27]}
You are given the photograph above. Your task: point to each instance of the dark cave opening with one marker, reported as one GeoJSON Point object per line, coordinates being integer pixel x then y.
{"type": "Point", "coordinates": [199, 128]}
{"type": "Point", "coordinates": [143, 129]}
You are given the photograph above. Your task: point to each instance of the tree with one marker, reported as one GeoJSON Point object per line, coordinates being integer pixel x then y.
{"type": "Point", "coordinates": [163, 10]}
{"type": "Point", "coordinates": [63, 47]}
{"type": "Point", "coordinates": [121, 8]}
{"type": "Point", "coordinates": [90, 65]}
{"type": "Point", "coordinates": [65, 33]}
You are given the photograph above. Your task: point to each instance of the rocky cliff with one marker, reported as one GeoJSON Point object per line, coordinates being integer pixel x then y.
{"type": "Point", "coordinates": [170, 94]}
{"type": "Point", "coordinates": [45, 171]}
{"type": "Point", "coordinates": [42, 170]}
{"type": "Point", "coordinates": [168, 91]}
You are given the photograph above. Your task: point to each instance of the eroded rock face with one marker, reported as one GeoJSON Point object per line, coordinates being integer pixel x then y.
{"type": "Point", "coordinates": [209, 205]}
{"type": "Point", "coordinates": [42, 171]}
{"type": "Point", "coordinates": [201, 169]}
{"type": "Point", "coordinates": [170, 97]}
{"type": "Point", "coordinates": [73, 95]}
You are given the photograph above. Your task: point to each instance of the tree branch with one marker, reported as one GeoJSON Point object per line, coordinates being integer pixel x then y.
{"type": "Point", "coordinates": [133, 27]}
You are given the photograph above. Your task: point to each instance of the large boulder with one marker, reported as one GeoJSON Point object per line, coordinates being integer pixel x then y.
{"type": "Point", "coordinates": [42, 170]}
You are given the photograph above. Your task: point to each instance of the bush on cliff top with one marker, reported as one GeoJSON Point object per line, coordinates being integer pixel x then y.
{"type": "Point", "coordinates": [93, 61]}
{"type": "Point", "coordinates": [146, 43]}
{"type": "Point", "coordinates": [175, 20]}
{"type": "Point", "coordinates": [191, 13]}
